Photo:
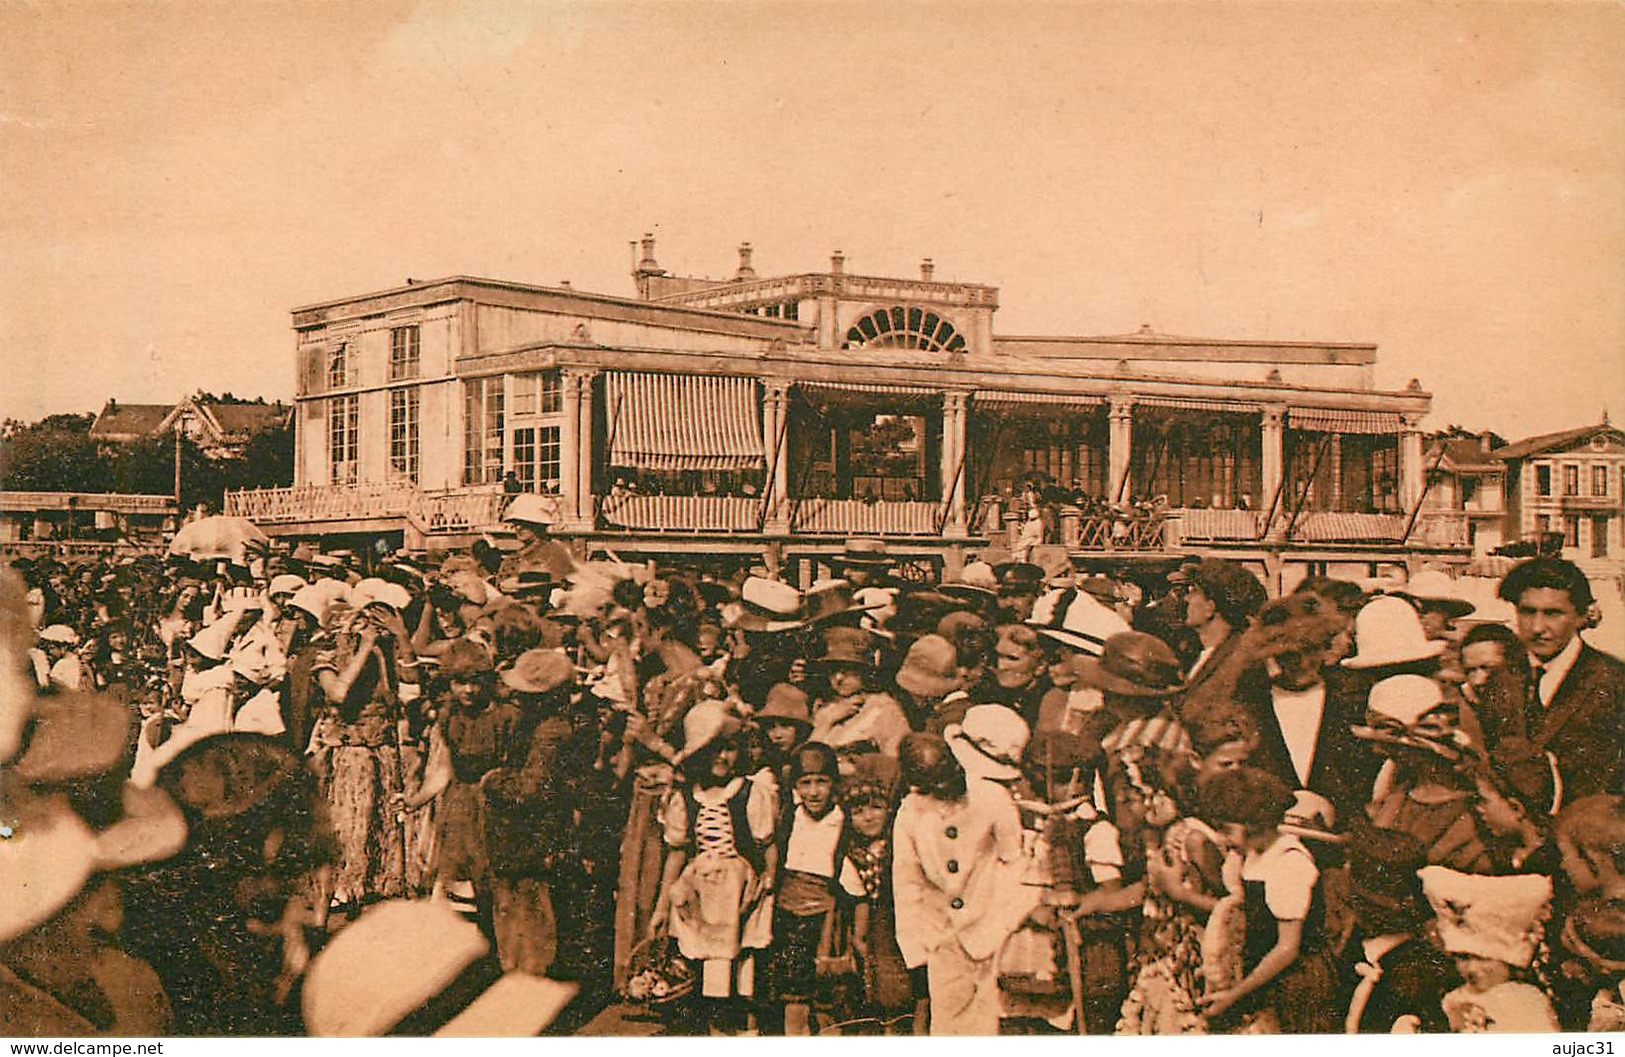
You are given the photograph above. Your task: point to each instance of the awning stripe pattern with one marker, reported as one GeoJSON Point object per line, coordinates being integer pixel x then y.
{"type": "Point", "coordinates": [992, 398]}
{"type": "Point", "coordinates": [683, 422]}
{"type": "Point", "coordinates": [1333, 420]}
{"type": "Point", "coordinates": [1191, 403]}
{"type": "Point", "coordinates": [868, 387]}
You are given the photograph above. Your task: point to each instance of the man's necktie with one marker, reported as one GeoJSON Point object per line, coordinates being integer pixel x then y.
{"type": "Point", "coordinates": [1369, 975]}
{"type": "Point", "coordinates": [1533, 709]}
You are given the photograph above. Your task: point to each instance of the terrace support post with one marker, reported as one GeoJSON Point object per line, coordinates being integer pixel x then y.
{"type": "Point", "coordinates": [1271, 463]}
{"type": "Point", "coordinates": [954, 406]}
{"type": "Point", "coordinates": [575, 450]}
{"type": "Point", "coordinates": [776, 447]}
{"type": "Point", "coordinates": [1412, 480]}
{"type": "Point", "coordinates": [1118, 446]}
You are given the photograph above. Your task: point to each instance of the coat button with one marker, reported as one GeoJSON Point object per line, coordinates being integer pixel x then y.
{"type": "Point", "coordinates": [953, 865]}
{"type": "Point", "coordinates": [957, 903]}
{"type": "Point", "coordinates": [952, 832]}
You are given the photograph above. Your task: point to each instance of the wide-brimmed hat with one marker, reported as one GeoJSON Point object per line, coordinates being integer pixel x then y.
{"type": "Point", "coordinates": [829, 601]}
{"type": "Point", "coordinates": [989, 742]}
{"type": "Point", "coordinates": [532, 509]}
{"type": "Point", "coordinates": [864, 551]}
{"type": "Point", "coordinates": [1433, 589]}
{"type": "Point", "coordinates": [1500, 918]}
{"type": "Point", "coordinates": [846, 647]}
{"type": "Point", "coordinates": [1388, 631]}
{"type": "Point", "coordinates": [1292, 624]}
{"type": "Point", "coordinates": [930, 668]}
{"type": "Point", "coordinates": [786, 704]}
{"type": "Point", "coordinates": [704, 723]}
{"type": "Point", "coordinates": [1395, 708]}
{"type": "Point", "coordinates": [539, 672]}
{"type": "Point", "coordinates": [312, 600]}
{"type": "Point", "coordinates": [286, 584]}
{"type": "Point", "coordinates": [418, 967]}
{"type": "Point", "coordinates": [376, 592]}
{"type": "Point", "coordinates": [977, 582]}
{"type": "Point", "coordinates": [60, 634]}
{"type": "Point", "coordinates": [765, 605]}
{"type": "Point", "coordinates": [215, 639]}
{"type": "Point", "coordinates": [1135, 664]}
{"type": "Point", "coordinates": [1077, 620]}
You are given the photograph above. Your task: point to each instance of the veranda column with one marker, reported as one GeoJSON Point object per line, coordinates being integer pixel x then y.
{"type": "Point", "coordinates": [1269, 458]}
{"type": "Point", "coordinates": [1121, 437]}
{"type": "Point", "coordinates": [569, 446]}
{"type": "Point", "coordinates": [1410, 461]}
{"type": "Point", "coordinates": [584, 461]}
{"type": "Point", "coordinates": [776, 448]}
{"type": "Point", "coordinates": [953, 462]}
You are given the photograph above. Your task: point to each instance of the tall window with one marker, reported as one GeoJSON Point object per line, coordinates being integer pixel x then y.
{"type": "Point", "coordinates": [1571, 479]}
{"type": "Point", "coordinates": [1599, 537]}
{"type": "Point", "coordinates": [1543, 479]}
{"type": "Point", "coordinates": [338, 365]}
{"type": "Point", "coordinates": [343, 438]}
{"type": "Point", "coordinates": [537, 394]}
{"type": "Point", "coordinates": [536, 458]}
{"type": "Point", "coordinates": [403, 352]}
{"type": "Point", "coordinates": [1571, 531]}
{"type": "Point", "coordinates": [1599, 480]}
{"type": "Point", "coordinates": [482, 430]}
{"type": "Point", "coordinates": [403, 433]}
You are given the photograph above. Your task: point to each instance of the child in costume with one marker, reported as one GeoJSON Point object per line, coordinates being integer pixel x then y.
{"type": "Point", "coordinates": [1492, 925]}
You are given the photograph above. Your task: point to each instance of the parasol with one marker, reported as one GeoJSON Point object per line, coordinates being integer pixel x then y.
{"type": "Point", "coordinates": [219, 537]}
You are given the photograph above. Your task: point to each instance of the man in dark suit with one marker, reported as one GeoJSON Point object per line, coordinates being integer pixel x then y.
{"type": "Point", "coordinates": [1220, 598]}
{"type": "Point", "coordinates": [1576, 702]}
{"type": "Point", "coordinates": [1391, 976]}
{"type": "Point", "coordinates": [1303, 722]}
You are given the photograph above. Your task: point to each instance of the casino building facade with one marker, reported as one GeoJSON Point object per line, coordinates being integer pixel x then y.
{"type": "Point", "coordinates": [715, 420]}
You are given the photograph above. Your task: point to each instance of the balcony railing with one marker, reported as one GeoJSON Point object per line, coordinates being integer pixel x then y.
{"type": "Point", "coordinates": [1591, 502]}
{"type": "Point", "coordinates": [681, 513]}
{"type": "Point", "coordinates": [1197, 525]}
{"type": "Point", "coordinates": [858, 517]}
{"type": "Point", "coordinates": [431, 511]}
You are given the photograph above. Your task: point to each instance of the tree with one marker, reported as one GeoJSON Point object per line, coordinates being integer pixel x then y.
{"type": "Point", "coordinates": [55, 454]}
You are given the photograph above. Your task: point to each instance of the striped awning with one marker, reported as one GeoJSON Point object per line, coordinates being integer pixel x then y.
{"type": "Point", "coordinates": [1333, 420]}
{"type": "Point", "coordinates": [992, 398]}
{"type": "Point", "coordinates": [1193, 403]}
{"type": "Point", "coordinates": [868, 387]}
{"type": "Point", "coordinates": [682, 422]}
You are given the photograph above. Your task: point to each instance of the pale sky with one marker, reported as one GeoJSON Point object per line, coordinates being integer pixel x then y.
{"type": "Point", "coordinates": [1446, 181]}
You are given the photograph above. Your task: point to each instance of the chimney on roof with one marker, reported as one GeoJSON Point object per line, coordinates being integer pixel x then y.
{"type": "Point", "coordinates": [928, 268]}
{"type": "Point", "coordinates": [837, 263]}
{"type": "Point", "coordinates": [1486, 441]}
{"type": "Point", "coordinates": [564, 284]}
{"type": "Point", "coordinates": [745, 272]}
{"type": "Point", "coordinates": [647, 268]}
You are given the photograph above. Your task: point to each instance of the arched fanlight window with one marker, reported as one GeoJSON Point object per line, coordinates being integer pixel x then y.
{"type": "Point", "coordinates": [904, 328]}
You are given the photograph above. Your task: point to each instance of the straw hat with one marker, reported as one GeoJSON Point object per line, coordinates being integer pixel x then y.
{"type": "Point", "coordinates": [765, 605]}
{"type": "Point", "coordinates": [1500, 918]}
{"type": "Point", "coordinates": [1077, 619]}
{"type": "Point", "coordinates": [1431, 588]}
{"type": "Point", "coordinates": [1135, 664]}
{"type": "Point", "coordinates": [866, 551]}
{"type": "Point", "coordinates": [1388, 631]}
{"type": "Point", "coordinates": [989, 742]}
{"type": "Point", "coordinates": [539, 672]}
{"type": "Point", "coordinates": [46, 858]}
{"type": "Point", "coordinates": [531, 509]}
{"type": "Point", "coordinates": [827, 601]}
{"type": "Point", "coordinates": [930, 668]}
{"type": "Point", "coordinates": [312, 600]}
{"type": "Point", "coordinates": [418, 966]}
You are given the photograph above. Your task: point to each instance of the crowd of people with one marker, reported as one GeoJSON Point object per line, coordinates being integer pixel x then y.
{"type": "Point", "coordinates": [291, 792]}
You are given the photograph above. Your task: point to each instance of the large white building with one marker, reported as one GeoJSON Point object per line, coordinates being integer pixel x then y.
{"type": "Point", "coordinates": [707, 417]}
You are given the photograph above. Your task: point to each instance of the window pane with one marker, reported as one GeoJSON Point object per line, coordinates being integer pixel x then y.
{"type": "Point", "coordinates": [524, 393]}
{"type": "Point", "coordinates": [1599, 536]}
{"type": "Point", "coordinates": [473, 430]}
{"type": "Point", "coordinates": [552, 395]}
{"type": "Point", "coordinates": [403, 433]}
{"type": "Point", "coordinates": [403, 352]}
{"type": "Point", "coordinates": [524, 458]}
{"type": "Point", "coordinates": [548, 459]}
